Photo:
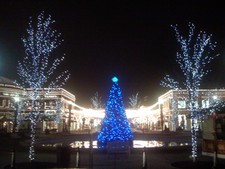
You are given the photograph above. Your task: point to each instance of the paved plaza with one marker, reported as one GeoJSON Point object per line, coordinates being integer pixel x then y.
{"type": "Point", "coordinates": [157, 158]}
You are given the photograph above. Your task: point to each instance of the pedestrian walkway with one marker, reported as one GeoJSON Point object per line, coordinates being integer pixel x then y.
{"type": "Point", "coordinates": [156, 158]}
{"type": "Point", "coordinates": [153, 158]}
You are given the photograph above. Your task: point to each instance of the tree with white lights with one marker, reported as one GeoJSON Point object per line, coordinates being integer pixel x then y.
{"type": "Point", "coordinates": [96, 102]}
{"type": "Point", "coordinates": [195, 55]}
{"type": "Point", "coordinates": [37, 69]}
{"type": "Point", "coordinates": [115, 125]}
{"type": "Point", "coordinates": [134, 101]}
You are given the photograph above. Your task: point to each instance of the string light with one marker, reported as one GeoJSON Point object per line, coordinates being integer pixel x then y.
{"type": "Point", "coordinates": [192, 61]}
{"type": "Point", "coordinates": [35, 70]}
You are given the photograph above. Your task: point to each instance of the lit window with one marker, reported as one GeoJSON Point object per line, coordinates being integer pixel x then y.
{"type": "Point", "coordinates": [181, 104]}
{"type": "Point", "coordinates": [205, 103]}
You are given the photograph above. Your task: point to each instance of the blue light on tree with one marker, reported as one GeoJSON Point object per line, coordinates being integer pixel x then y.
{"type": "Point", "coordinates": [115, 125]}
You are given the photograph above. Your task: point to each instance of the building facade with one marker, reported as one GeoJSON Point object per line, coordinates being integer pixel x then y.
{"type": "Point", "coordinates": [173, 107]}
{"type": "Point", "coordinates": [54, 110]}
{"type": "Point", "coordinates": [15, 106]}
{"type": "Point", "coordinates": [58, 112]}
{"type": "Point", "coordinates": [9, 92]}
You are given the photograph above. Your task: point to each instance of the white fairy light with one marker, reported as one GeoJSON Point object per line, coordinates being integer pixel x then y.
{"type": "Point", "coordinates": [192, 61]}
{"type": "Point", "coordinates": [35, 70]}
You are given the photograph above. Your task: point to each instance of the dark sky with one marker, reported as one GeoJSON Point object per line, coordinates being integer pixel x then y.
{"type": "Point", "coordinates": [132, 40]}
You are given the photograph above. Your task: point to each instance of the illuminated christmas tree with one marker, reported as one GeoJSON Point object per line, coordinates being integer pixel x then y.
{"type": "Point", "coordinates": [115, 125]}
{"type": "Point", "coordinates": [37, 69]}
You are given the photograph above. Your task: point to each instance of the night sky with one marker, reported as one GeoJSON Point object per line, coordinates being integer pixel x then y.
{"type": "Point", "coordinates": [132, 40]}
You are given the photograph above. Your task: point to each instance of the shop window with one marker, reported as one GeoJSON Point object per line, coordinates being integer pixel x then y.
{"type": "Point", "coordinates": [181, 104]}
{"type": "Point", "coordinates": [205, 103]}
